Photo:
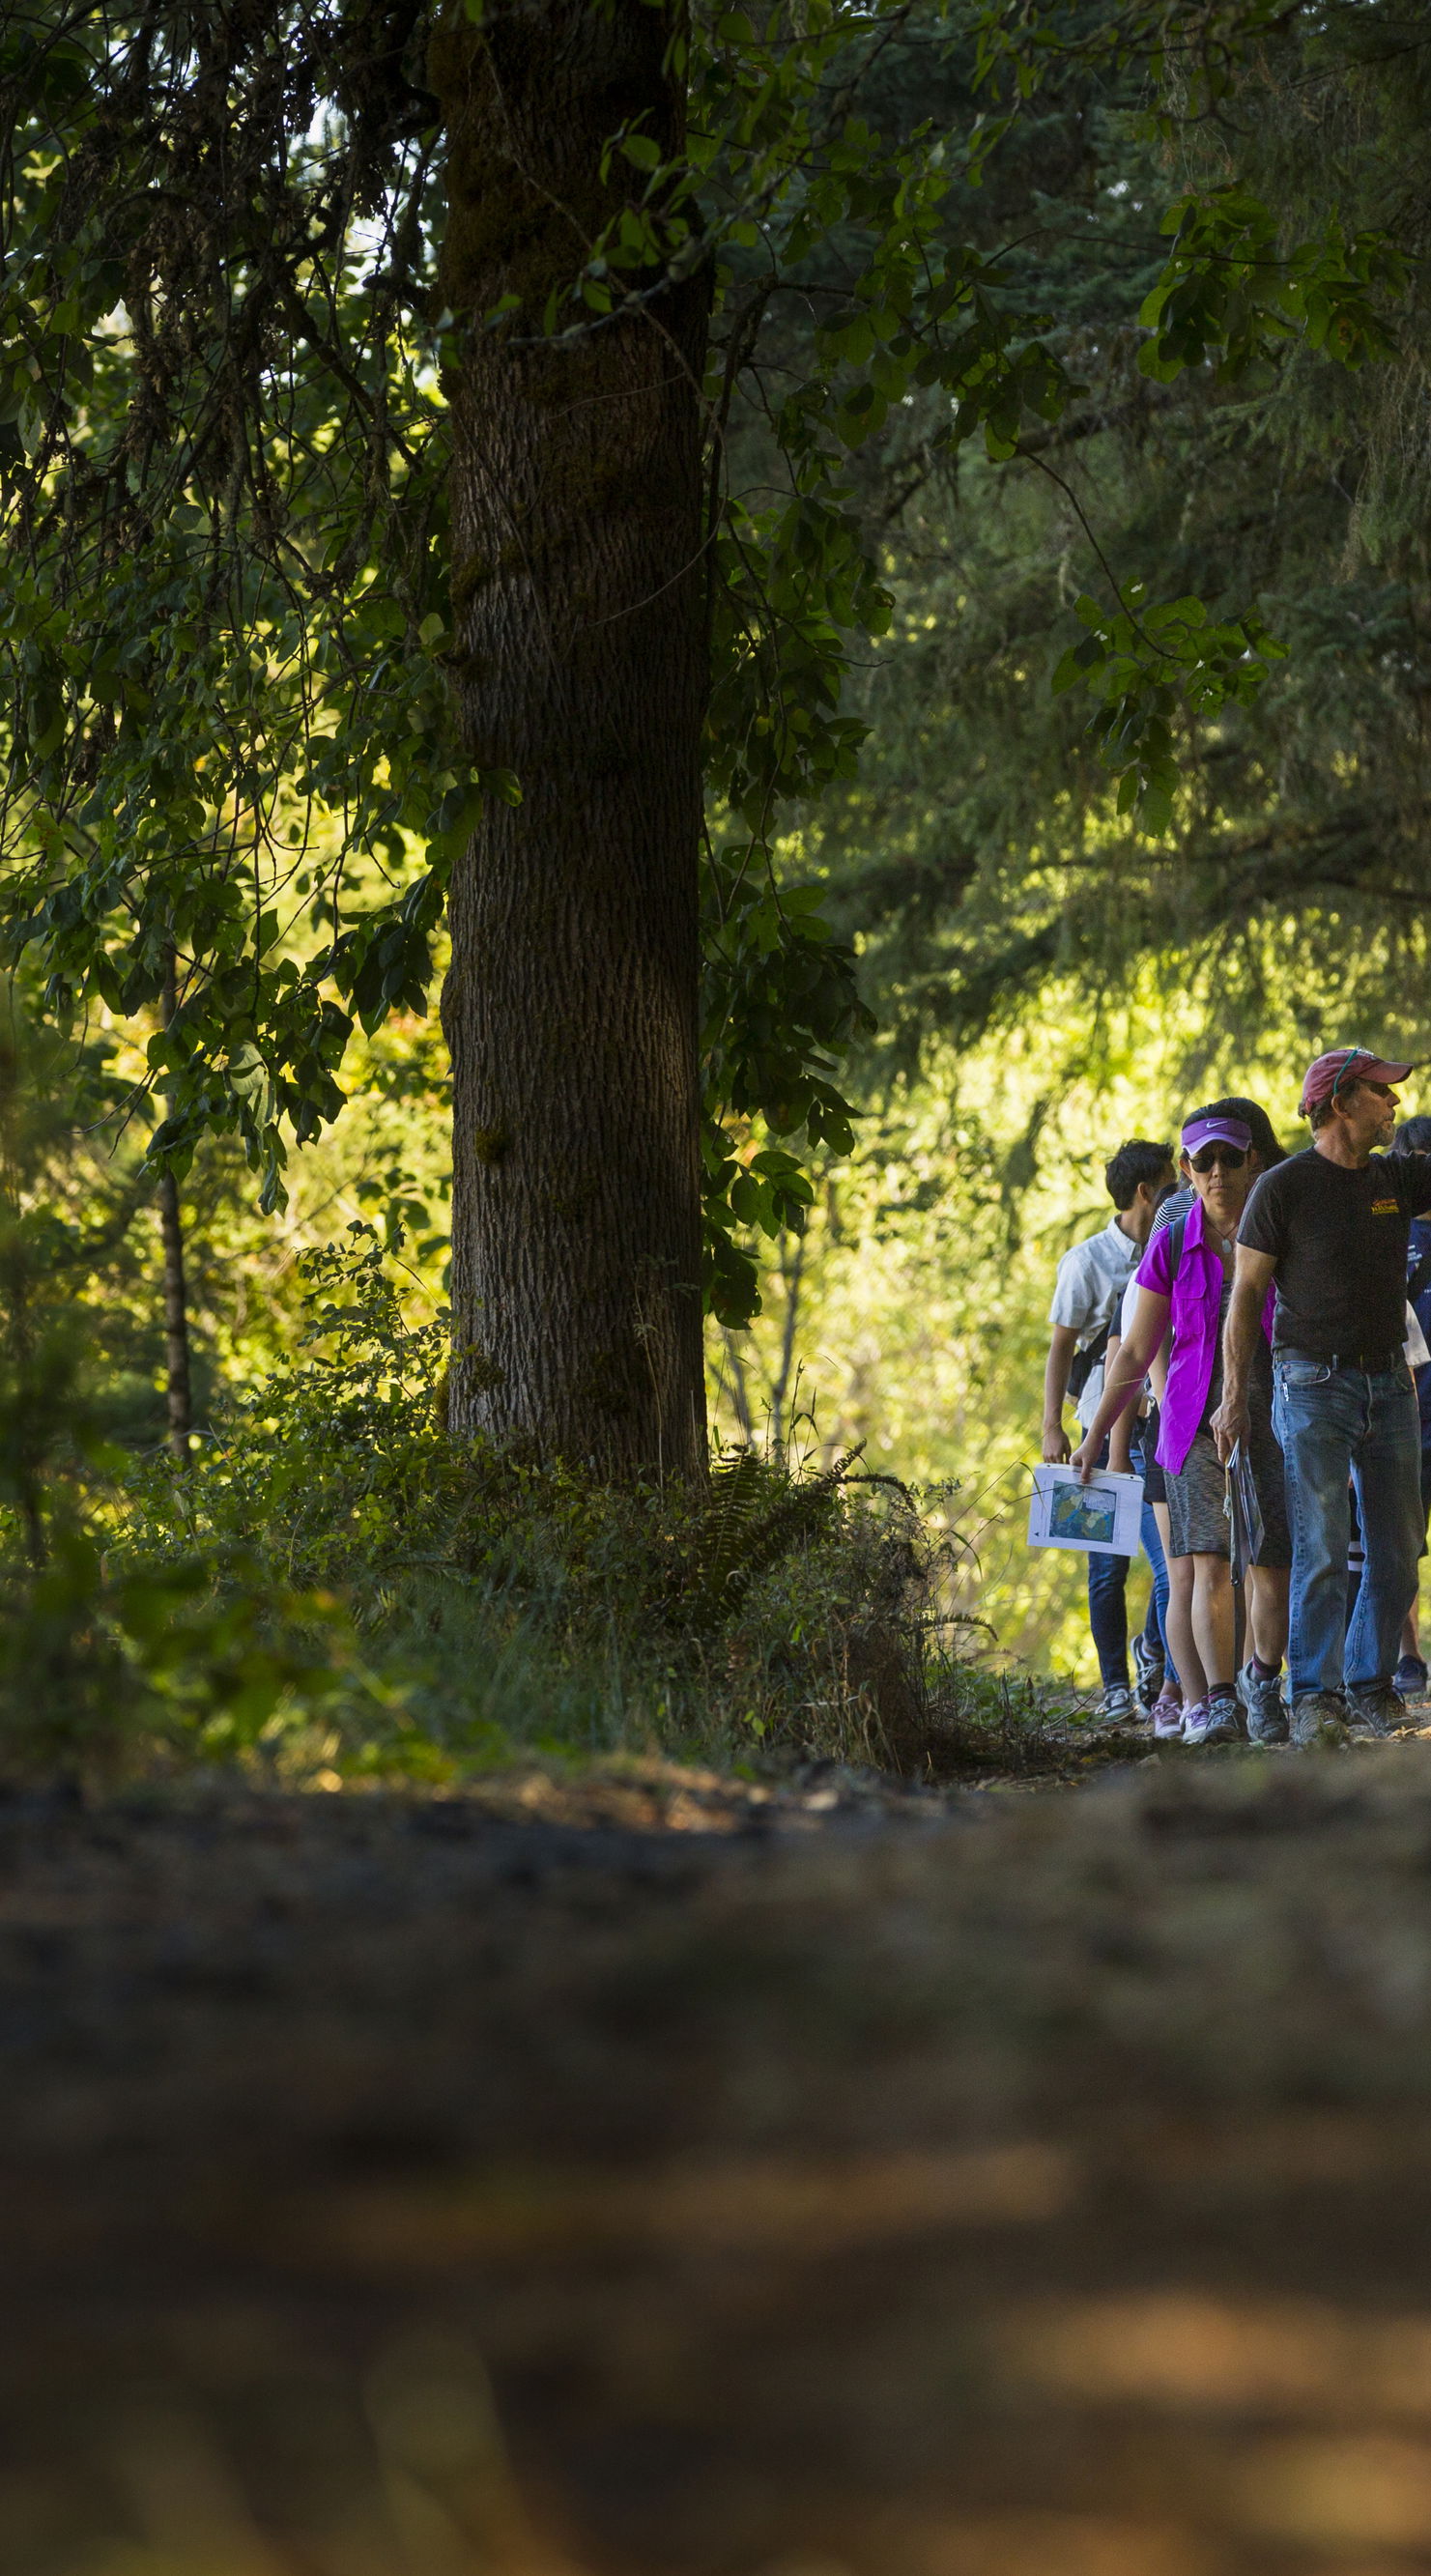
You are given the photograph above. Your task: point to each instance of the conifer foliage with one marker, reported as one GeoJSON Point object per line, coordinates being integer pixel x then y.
{"type": "Point", "coordinates": [1240, 480]}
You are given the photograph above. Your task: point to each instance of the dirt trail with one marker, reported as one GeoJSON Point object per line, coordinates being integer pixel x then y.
{"type": "Point", "coordinates": [988, 2186]}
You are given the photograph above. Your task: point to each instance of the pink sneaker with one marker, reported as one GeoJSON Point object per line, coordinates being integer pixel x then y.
{"type": "Point", "coordinates": [1196, 1721]}
{"type": "Point", "coordinates": [1168, 1713]}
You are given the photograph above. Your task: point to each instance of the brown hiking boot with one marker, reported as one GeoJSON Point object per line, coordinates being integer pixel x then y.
{"type": "Point", "coordinates": [1319, 1718]}
{"type": "Point", "coordinates": [1375, 1709]}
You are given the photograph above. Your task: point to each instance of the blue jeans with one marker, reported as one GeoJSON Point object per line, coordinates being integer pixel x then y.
{"type": "Point", "coordinates": [1337, 1425]}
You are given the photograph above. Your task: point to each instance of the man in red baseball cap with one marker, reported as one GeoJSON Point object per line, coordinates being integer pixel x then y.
{"type": "Point", "coordinates": [1342, 1067]}
{"type": "Point", "coordinates": [1331, 1226]}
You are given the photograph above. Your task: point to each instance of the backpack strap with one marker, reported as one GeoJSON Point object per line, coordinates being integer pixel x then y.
{"type": "Point", "coordinates": [1178, 1231]}
{"type": "Point", "coordinates": [1088, 1359]}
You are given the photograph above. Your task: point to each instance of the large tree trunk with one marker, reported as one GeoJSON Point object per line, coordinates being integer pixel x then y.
{"type": "Point", "coordinates": [578, 586]}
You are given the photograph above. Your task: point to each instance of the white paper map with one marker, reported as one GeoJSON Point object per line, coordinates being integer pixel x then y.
{"type": "Point", "coordinates": [1101, 1518]}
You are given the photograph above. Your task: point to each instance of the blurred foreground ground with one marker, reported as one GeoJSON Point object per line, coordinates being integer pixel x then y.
{"type": "Point", "coordinates": [675, 2183]}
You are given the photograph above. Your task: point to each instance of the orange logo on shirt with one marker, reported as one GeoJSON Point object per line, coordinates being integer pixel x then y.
{"type": "Point", "coordinates": [1385, 1207]}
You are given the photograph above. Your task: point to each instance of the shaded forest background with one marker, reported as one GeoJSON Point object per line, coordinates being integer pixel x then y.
{"type": "Point", "coordinates": [1043, 975]}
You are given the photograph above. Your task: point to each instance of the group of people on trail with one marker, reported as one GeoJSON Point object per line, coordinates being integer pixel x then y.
{"type": "Point", "coordinates": [1247, 1306]}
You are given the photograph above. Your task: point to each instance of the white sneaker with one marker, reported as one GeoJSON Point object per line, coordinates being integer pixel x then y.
{"type": "Point", "coordinates": [1168, 1714]}
{"type": "Point", "coordinates": [1214, 1721]}
{"type": "Point", "coordinates": [1118, 1704]}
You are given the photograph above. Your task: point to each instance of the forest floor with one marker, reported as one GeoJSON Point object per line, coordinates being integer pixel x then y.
{"type": "Point", "coordinates": [657, 2174]}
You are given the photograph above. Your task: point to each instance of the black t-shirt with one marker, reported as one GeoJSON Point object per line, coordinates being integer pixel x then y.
{"type": "Point", "coordinates": [1338, 1238]}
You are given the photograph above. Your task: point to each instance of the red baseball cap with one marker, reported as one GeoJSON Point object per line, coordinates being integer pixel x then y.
{"type": "Point", "coordinates": [1332, 1073]}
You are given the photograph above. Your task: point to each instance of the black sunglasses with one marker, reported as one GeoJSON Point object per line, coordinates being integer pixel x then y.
{"type": "Point", "coordinates": [1229, 1158]}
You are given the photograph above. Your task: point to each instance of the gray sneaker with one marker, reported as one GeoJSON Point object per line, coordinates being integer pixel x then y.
{"type": "Point", "coordinates": [1261, 1697]}
{"type": "Point", "coordinates": [1375, 1709]}
{"type": "Point", "coordinates": [1119, 1704]}
{"type": "Point", "coordinates": [1150, 1669]}
{"type": "Point", "coordinates": [1320, 1717]}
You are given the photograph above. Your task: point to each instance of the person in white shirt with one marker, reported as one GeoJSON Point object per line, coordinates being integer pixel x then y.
{"type": "Point", "coordinates": [1086, 1297]}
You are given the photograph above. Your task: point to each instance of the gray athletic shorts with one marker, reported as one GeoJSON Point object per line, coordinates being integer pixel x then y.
{"type": "Point", "coordinates": [1198, 1524]}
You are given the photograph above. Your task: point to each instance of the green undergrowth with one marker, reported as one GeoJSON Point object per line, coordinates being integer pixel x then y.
{"type": "Point", "coordinates": [334, 1589]}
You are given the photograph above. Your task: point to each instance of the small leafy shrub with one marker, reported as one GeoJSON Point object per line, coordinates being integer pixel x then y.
{"type": "Point", "coordinates": [335, 1588]}
{"type": "Point", "coordinates": [107, 1640]}
{"type": "Point", "coordinates": [497, 1605]}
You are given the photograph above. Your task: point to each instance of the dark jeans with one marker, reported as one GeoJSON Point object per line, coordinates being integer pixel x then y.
{"type": "Point", "coordinates": [1155, 1626]}
{"type": "Point", "coordinates": [1337, 1425]}
{"type": "Point", "coordinates": [1108, 1599]}
{"type": "Point", "coordinates": [1108, 1617]}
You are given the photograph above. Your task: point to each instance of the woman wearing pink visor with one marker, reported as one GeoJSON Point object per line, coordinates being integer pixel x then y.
{"type": "Point", "coordinates": [1185, 1283]}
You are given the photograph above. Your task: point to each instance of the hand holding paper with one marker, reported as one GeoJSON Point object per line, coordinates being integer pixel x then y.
{"type": "Point", "coordinates": [1100, 1518]}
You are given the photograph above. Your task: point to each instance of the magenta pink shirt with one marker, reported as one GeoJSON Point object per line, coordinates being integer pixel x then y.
{"type": "Point", "coordinates": [1196, 1296]}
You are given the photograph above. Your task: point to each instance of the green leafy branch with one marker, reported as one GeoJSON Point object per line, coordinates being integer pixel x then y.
{"type": "Point", "coordinates": [1146, 664]}
{"type": "Point", "coordinates": [780, 1004]}
{"type": "Point", "coordinates": [1227, 294]}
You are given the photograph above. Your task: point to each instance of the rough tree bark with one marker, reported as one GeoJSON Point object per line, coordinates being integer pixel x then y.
{"type": "Point", "coordinates": [578, 587]}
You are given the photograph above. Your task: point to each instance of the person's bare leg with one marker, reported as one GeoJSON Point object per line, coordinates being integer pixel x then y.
{"type": "Point", "coordinates": [1163, 1517]}
{"type": "Point", "coordinates": [1180, 1629]}
{"type": "Point", "coordinates": [1213, 1618]}
{"type": "Point", "coordinates": [1269, 1587]}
